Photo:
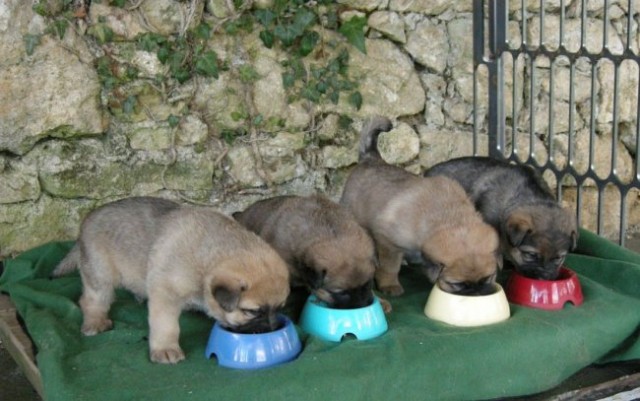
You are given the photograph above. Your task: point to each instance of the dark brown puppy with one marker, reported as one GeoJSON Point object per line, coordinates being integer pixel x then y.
{"type": "Point", "coordinates": [325, 248]}
{"type": "Point", "coordinates": [179, 258]}
{"type": "Point", "coordinates": [535, 231]}
{"type": "Point", "coordinates": [433, 216]}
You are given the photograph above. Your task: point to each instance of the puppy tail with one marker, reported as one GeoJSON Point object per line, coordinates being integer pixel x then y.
{"type": "Point", "coordinates": [369, 136]}
{"type": "Point", "coordinates": [69, 263]}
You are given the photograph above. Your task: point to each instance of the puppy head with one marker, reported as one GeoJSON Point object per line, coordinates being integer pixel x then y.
{"type": "Point", "coordinates": [340, 272]}
{"type": "Point", "coordinates": [246, 295]}
{"type": "Point", "coordinates": [537, 238]}
{"type": "Point", "coordinates": [464, 260]}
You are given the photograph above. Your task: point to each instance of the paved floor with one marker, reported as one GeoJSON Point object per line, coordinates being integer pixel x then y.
{"type": "Point", "coordinates": [15, 387]}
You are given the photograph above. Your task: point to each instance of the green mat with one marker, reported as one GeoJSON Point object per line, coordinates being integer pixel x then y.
{"type": "Point", "coordinates": [416, 359]}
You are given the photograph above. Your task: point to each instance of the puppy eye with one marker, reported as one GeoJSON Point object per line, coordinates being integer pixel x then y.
{"type": "Point", "coordinates": [251, 312]}
{"type": "Point", "coordinates": [529, 256]}
{"type": "Point", "coordinates": [456, 287]}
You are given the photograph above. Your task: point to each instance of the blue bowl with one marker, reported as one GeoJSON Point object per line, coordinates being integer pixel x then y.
{"type": "Point", "coordinates": [334, 324]}
{"type": "Point", "coordinates": [254, 351]}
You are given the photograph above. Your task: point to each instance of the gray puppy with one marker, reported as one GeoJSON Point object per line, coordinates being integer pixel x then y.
{"type": "Point", "coordinates": [536, 232]}
{"type": "Point", "coordinates": [405, 213]}
{"type": "Point", "coordinates": [179, 258]}
{"type": "Point", "coordinates": [325, 248]}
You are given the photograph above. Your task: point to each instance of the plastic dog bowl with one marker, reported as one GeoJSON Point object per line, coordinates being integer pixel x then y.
{"type": "Point", "coordinates": [254, 351]}
{"type": "Point", "coordinates": [467, 310]}
{"type": "Point", "coordinates": [334, 324]}
{"type": "Point", "coordinates": [545, 294]}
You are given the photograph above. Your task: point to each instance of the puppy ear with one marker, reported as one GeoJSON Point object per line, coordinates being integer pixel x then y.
{"type": "Point", "coordinates": [518, 225]}
{"type": "Point", "coordinates": [312, 277]}
{"type": "Point", "coordinates": [499, 259]}
{"type": "Point", "coordinates": [574, 240]}
{"type": "Point", "coordinates": [227, 296]}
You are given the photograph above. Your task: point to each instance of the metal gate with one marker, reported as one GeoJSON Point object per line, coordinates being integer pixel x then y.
{"type": "Point", "coordinates": [526, 53]}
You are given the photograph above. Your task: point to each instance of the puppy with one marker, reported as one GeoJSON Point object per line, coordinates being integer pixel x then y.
{"type": "Point", "coordinates": [326, 250]}
{"type": "Point", "coordinates": [405, 213]}
{"type": "Point", "coordinates": [179, 258]}
{"type": "Point", "coordinates": [535, 232]}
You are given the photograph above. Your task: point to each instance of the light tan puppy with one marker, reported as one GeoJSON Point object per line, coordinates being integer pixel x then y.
{"type": "Point", "coordinates": [326, 249]}
{"type": "Point", "coordinates": [179, 258]}
{"type": "Point", "coordinates": [406, 213]}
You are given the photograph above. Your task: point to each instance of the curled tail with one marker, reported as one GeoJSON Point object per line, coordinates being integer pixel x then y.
{"type": "Point", "coordinates": [369, 136]}
{"type": "Point", "coordinates": [69, 263]}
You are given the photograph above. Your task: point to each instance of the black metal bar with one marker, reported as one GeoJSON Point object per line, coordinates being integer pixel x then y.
{"type": "Point", "coordinates": [498, 18]}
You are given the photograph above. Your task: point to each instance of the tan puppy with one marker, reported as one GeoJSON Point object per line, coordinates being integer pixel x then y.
{"type": "Point", "coordinates": [179, 258]}
{"type": "Point", "coordinates": [325, 248]}
{"type": "Point", "coordinates": [432, 216]}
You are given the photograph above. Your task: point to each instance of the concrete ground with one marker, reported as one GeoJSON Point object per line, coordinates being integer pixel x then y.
{"type": "Point", "coordinates": [593, 383]}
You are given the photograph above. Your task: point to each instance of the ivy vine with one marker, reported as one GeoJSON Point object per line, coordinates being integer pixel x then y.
{"type": "Point", "coordinates": [314, 70]}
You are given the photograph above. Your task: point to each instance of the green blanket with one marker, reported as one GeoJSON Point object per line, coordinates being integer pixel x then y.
{"type": "Point", "coordinates": [416, 359]}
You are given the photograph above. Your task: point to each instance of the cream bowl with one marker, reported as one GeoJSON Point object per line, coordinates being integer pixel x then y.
{"type": "Point", "coordinates": [467, 310]}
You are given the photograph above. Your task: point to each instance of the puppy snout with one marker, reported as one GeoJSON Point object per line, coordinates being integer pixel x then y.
{"type": "Point", "coordinates": [273, 322]}
{"type": "Point", "coordinates": [469, 287]}
{"type": "Point", "coordinates": [540, 273]}
{"type": "Point", "coordinates": [352, 298]}
{"type": "Point", "coordinates": [260, 324]}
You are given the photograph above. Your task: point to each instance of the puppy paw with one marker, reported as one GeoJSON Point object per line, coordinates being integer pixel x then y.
{"type": "Point", "coordinates": [96, 327]}
{"type": "Point", "coordinates": [386, 305]}
{"type": "Point", "coordinates": [167, 355]}
{"type": "Point", "coordinates": [392, 290]}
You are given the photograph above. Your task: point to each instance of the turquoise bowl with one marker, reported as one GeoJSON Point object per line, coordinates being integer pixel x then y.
{"type": "Point", "coordinates": [331, 324]}
{"type": "Point", "coordinates": [254, 351]}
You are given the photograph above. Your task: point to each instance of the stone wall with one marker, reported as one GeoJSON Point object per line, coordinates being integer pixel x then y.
{"type": "Point", "coordinates": [88, 116]}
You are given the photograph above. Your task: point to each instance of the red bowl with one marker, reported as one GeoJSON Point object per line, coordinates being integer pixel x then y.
{"type": "Point", "coordinates": [545, 294]}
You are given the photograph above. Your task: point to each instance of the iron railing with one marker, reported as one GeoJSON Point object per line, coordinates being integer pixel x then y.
{"type": "Point", "coordinates": [492, 49]}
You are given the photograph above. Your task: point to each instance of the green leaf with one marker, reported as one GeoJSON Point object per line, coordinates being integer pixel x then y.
{"type": "Point", "coordinates": [288, 79]}
{"type": "Point", "coordinates": [310, 93]}
{"type": "Point", "coordinates": [334, 97]}
{"type": "Point", "coordinates": [267, 38]}
{"type": "Point", "coordinates": [181, 74]}
{"type": "Point", "coordinates": [353, 30]}
{"type": "Point", "coordinates": [248, 74]}
{"type": "Point", "coordinates": [238, 115]}
{"type": "Point", "coordinates": [60, 27]}
{"type": "Point", "coordinates": [228, 136]}
{"type": "Point", "coordinates": [344, 122]}
{"type": "Point", "coordinates": [101, 32]}
{"type": "Point", "coordinates": [202, 31]}
{"type": "Point", "coordinates": [150, 41]}
{"type": "Point", "coordinates": [308, 42]}
{"type": "Point", "coordinates": [40, 9]}
{"type": "Point", "coordinates": [259, 119]}
{"type": "Point", "coordinates": [286, 33]}
{"type": "Point", "coordinates": [129, 105]}
{"type": "Point", "coordinates": [322, 87]}
{"type": "Point", "coordinates": [265, 17]}
{"type": "Point", "coordinates": [303, 19]}
{"type": "Point", "coordinates": [298, 69]}
{"type": "Point", "coordinates": [331, 19]}
{"type": "Point", "coordinates": [176, 59]}
{"type": "Point", "coordinates": [355, 99]}
{"type": "Point", "coordinates": [30, 43]}
{"type": "Point", "coordinates": [173, 121]}
{"type": "Point", "coordinates": [207, 64]}
{"type": "Point", "coordinates": [119, 3]}
{"type": "Point", "coordinates": [163, 54]}
{"type": "Point", "coordinates": [245, 22]}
